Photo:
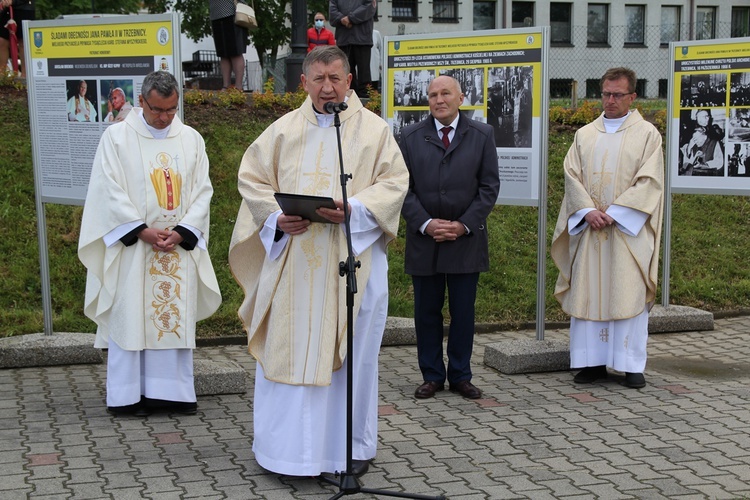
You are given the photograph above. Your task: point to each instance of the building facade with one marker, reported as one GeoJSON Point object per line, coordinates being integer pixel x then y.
{"type": "Point", "coordinates": [586, 37]}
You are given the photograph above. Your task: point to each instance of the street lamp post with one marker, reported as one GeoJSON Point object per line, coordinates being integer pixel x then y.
{"type": "Point", "coordinates": [299, 45]}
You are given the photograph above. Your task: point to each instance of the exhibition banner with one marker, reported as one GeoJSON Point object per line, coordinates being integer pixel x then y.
{"type": "Point", "coordinates": [502, 74]}
{"type": "Point", "coordinates": [84, 75]}
{"type": "Point", "coordinates": [709, 134]}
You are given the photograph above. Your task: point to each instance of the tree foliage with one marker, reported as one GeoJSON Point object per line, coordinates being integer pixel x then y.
{"type": "Point", "coordinates": [314, 6]}
{"type": "Point", "coordinates": [51, 9]}
{"type": "Point", "coordinates": [195, 23]}
{"type": "Point", "coordinates": [274, 29]}
{"type": "Point", "coordinates": [274, 22]}
{"type": "Point", "coordinates": [274, 17]}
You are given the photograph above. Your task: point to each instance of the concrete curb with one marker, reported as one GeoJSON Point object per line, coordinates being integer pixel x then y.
{"type": "Point", "coordinates": [38, 349]}
{"type": "Point", "coordinates": [212, 377]}
{"type": "Point", "coordinates": [218, 377]}
{"type": "Point", "coordinates": [529, 356]}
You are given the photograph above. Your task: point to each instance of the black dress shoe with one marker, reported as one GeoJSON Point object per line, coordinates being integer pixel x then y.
{"type": "Point", "coordinates": [136, 410]}
{"type": "Point", "coordinates": [466, 389]}
{"type": "Point", "coordinates": [428, 389]}
{"type": "Point", "coordinates": [634, 380]}
{"type": "Point", "coordinates": [360, 467]}
{"type": "Point", "coordinates": [590, 374]}
{"type": "Point", "coordinates": [166, 406]}
{"type": "Point", "coordinates": [184, 408]}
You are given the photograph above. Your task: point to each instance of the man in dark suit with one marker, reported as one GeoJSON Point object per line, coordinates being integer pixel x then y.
{"type": "Point", "coordinates": [453, 185]}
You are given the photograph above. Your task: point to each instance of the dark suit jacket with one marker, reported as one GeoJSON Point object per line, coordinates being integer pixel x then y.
{"type": "Point", "coordinates": [460, 184]}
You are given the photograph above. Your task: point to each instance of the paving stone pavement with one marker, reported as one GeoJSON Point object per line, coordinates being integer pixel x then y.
{"type": "Point", "coordinates": [686, 435]}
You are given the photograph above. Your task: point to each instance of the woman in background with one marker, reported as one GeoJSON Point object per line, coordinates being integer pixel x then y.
{"type": "Point", "coordinates": [230, 41]}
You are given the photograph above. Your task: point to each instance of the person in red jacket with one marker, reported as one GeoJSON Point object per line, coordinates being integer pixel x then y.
{"type": "Point", "coordinates": [318, 34]}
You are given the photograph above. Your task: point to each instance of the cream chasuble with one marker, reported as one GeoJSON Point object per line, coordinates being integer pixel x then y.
{"type": "Point", "coordinates": [608, 277]}
{"type": "Point", "coordinates": [294, 308]}
{"type": "Point", "coordinates": [299, 410]}
{"type": "Point", "coordinates": [140, 298]}
{"type": "Point", "coordinates": [299, 309]}
{"type": "Point", "coordinates": [610, 274]}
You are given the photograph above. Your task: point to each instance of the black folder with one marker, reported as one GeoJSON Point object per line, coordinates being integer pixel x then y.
{"type": "Point", "coordinates": [304, 205]}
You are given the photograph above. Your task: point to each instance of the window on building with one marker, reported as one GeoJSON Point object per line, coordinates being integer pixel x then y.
{"type": "Point", "coordinates": [593, 88]}
{"type": "Point", "coordinates": [640, 87]}
{"type": "Point", "coordinates": [560, 14]}
{"type": "Point", "coordinates": [635, 19]}
{"type": "Point", "coordinates": [522, 15]}
{"type": "Point", "coordinates": [663, 88]}
{"type": "Point", "coordinates": [484, 15]}
{"type": "Point", "coordinates": [740, 21]}
{"type": "Point", "coordinates": [560, 87]}
{"type": "Point", "coordinates": [598, 24]}
{"type": "Point", "coordinates": [705, 23]}
{"type": "Point", "coordinates": [670, 24]}
{"type": "Point", "coordinates": [444, 11]}
{"type": "Point", "coordinates": [404, 10]}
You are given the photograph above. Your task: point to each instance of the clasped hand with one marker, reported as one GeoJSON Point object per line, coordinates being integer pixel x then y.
{"type": "Point", "coordinates": [598, 220]}
{"type": "Point", "coordinates": [445, 230]}
{"type": "Point", "coordinates": [161, 240]}
{"type": "Point", "coordinates": [294, 224]}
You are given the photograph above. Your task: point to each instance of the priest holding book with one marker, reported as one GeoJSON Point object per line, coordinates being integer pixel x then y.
{"type": "Point", "coordinates": [294, 309]}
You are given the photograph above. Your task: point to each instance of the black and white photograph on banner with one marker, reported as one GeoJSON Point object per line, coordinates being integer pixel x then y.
{"type": "Point", "coordinates": [509, 105]}
{"type": "Point", "coordinates": [471, 81]}
{"type": "Point", "coordinates": [739, 125]}
{"type": "Point", "coordinates": [738, 159]}
{"type": "Point", "coordinates": [739, 89]}
{"type": "Point", "coordinates": [410, 87]}
{"type": "Point", "coordinates": [117, 99]}
{"type": "Point", "coordinates": [82, 100]}
{"type": "Point", "coordinates": [702, 134]}
{"type": "Point", "coordinates": [474, 114]}
{"type": "Point", "coordinates": [403, 119]}
{"type": "Point", "coordinates": [704, 90]}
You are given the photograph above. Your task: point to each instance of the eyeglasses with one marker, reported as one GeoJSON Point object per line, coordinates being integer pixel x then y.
{"type": "Point", "coordinates": [618, 96]}
{"type": "Point", "coordinates": [159, 111]}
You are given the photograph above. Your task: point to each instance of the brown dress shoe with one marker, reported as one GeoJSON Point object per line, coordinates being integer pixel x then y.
{"type": "Point", "coordinates": [428, 389]}
{"type": "Point", "coordinates": [466, 389]}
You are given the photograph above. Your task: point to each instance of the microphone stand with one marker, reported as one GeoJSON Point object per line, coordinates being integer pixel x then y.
{"type": "Point", "coordinates": [348, 483]}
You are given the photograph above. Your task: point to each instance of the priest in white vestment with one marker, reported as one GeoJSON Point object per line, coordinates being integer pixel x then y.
{"type": "Point", "coordinates": [143, 241]}
{"type": "Point", "coordinates": [80, 109]}
{"type": "Point", "coordinates": [295, 309]}
{"type": "Point", "coordinates": [606, 242]}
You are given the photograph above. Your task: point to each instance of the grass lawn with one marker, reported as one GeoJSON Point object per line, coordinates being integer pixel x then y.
{"type": "Point", "coordinates": [708, 237]}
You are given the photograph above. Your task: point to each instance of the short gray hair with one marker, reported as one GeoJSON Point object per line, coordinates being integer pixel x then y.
{"type": "Point", "coordinates": [163, 82]}
{"type": "Point", "coordinates": [326, 54]}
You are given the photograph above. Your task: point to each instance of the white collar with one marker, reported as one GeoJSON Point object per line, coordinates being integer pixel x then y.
{"type": "Point", "coordinates": [157, 133]}
{"type": "Point", "coordinates": [453, 124]}
{"type": "Point", "coordinates": [612, 124]}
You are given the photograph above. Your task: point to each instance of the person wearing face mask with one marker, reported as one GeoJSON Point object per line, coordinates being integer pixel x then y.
{"type": "Point", "coordinates": [318, 35]}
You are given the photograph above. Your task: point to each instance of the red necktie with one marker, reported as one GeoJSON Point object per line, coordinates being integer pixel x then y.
{"type": "Point", "coordinates": [446, 131]}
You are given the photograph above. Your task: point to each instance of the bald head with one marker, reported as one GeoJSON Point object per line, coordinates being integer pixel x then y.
{"type": "Point", "coordinates": [445, 96]}
{"type": "Point", "coordinates": [445, 80]}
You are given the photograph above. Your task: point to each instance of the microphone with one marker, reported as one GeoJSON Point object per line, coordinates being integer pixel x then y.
{"type": "Point", "coordinates": [334, 107]}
